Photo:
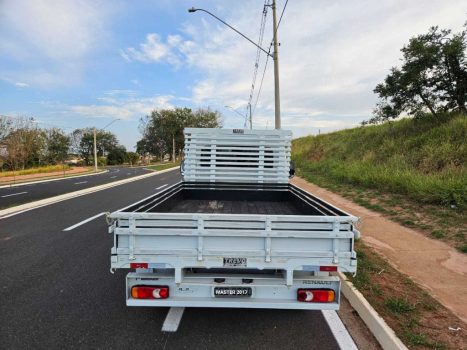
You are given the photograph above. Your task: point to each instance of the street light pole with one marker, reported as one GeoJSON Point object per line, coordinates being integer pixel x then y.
{"type": "Point", "coordinates": [276, 70]}
{"type": "Point", "coordinates": [95, 151]}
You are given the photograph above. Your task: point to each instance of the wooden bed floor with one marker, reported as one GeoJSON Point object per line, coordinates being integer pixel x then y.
{"type": "Point", "coordinates": [234, 207]}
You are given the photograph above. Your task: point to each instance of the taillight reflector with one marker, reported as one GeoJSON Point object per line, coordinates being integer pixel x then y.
{"type": "Point", "coordinates": [316, 295]}
{"type": "Point", "coordinates": [328, 268]}
{"type": "Point", "coordinates": [150, 292]}
{"type": "Point", "coordinates": [138, 265]}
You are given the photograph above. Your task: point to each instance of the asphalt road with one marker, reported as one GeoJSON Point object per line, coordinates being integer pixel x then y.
{"type": "Point", "coordinates": [57, 291]}
{"type": "Point", "coordinates": [35, 191]}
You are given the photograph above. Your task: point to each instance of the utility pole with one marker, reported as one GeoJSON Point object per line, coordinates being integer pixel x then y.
{"type": "Point", "coordinates": [173, 148]}
{"type": "Point", "coordinates": [251, 119]}
{"type": "Point", "coordinates": [277, 95]}
{"type": "Point", "coordinates": [95, 151]}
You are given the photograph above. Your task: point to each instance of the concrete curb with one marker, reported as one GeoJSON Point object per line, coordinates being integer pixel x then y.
{"type": "Point", "coordinates": [56, 179]}
{"type": "Point", "coordinates": [382, 332]}
{"type": "Point", "coordinates": [62, 197]}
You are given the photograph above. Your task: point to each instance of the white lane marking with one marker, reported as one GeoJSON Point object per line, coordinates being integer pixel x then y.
{"type": "Point", "coordinates": [172, 321]}
{"type": "Point", "coordinates": [162, 186]}
{"type": "Point", "coordinates": [339, 331]}
{"type": "Point", "coordinates": [83, 182]}
{"type": "Point", "coordinates": [14, 194]}
{"type": "Point", "coordinates": [129, 174]}
{"type": "Point", "coordinates": [113, 177]}
{"type": "Point", "coordinates": [83, 222]}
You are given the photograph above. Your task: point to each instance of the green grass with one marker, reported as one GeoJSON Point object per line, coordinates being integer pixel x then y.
{"type": "Point", "coordinates": [437, 234]}
{"type": "Point", "coordinates": [422, 160]}
{"type": "Point", "coordinates": [163, 166]}
{"type": "Point", "coordinates": [399, 305]}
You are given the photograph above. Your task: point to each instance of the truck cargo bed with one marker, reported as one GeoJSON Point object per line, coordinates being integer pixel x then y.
{"type": "Point", "coordinates": [234, 207]}
{"type": "Point", "coordinates": [232, 198]}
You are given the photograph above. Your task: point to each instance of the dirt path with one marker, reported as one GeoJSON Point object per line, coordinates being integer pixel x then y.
{"type": "Point", "coordinates": [433, 264]}
{"type": "Point", "coordinates": [77, 169]}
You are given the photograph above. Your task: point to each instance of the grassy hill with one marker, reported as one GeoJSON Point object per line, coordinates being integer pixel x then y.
{"type": "Point", "coordinates": [425, 160]}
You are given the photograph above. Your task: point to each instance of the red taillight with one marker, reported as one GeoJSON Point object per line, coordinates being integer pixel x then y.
{"type": "Point", "coordinates": [328, 268]}
{"type": "Point", "coordinates": [138, 265]}
{"type": "Point", "coordinates": [316, 295]}
{"type": "Point", "coordinates": [150, 292]}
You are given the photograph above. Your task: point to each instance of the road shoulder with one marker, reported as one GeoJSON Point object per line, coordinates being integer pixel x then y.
{"type": "Point", "coordinates": [358, 330]}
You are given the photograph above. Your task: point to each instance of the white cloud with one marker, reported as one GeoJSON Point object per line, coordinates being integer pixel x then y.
{"type": "Point", "coordinates": [17, 84]}
{"type": "Point", "coordinates": [102, 112]}
{"type": "Point", "coordinates": [154, 50]}
{"type": "Point", "coordinates": [124, 108]}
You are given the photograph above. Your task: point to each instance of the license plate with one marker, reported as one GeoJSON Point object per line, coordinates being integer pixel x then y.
{"type": "Point", "coordinates": [232, 292]}
{"type": "Point", "coordinates": [239, 262]}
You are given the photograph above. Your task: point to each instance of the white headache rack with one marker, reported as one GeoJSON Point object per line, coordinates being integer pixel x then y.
{"type": "Point", "coordinates": [237, 155]}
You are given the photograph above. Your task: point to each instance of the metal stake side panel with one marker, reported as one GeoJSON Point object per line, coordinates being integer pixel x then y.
{"type": "Point", "coordinates": [237, 155]}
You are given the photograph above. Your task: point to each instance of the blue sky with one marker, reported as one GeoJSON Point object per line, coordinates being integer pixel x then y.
{"type": "Point", "coordinates": [84, 63]}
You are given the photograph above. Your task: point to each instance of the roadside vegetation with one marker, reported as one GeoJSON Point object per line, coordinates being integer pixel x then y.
{"type": "Point", "coordinates": [424, 160]}
{"type": "Point", "coordinates": [36, 170]}
{"type": "Point", "coordinates": [416, 317]}
{"type": "Point", "coordinates": [24, 144]}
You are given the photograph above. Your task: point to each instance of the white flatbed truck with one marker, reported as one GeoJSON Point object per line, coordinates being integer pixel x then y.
{"type": "Point", "coordinates": [234, 232]}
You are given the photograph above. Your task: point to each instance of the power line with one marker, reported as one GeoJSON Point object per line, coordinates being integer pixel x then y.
{"type": "Point", "coordinates": [258, 51]}
{"type": "Point", "coordinates": [267, 57]}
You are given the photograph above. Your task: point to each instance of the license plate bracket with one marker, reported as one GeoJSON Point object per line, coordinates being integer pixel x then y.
{"type": "Point", "coordinates": [233, 292]}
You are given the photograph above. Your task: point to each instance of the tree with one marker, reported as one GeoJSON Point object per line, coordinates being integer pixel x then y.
{"type": "Point", "coordinates": [57, 145]}
{"type": "Point", "coordinates": [83, 143]}
{"type": "Point", "coordinates": [162, 131]}
{"type": "Point", "coordinates": [117, 155]}
{"type": "Point", "coordinates": [21, 143]}
{"type": "Point", "coordinates": [433, 77]}
{"type": "Point", "coordinates": [133, 158]}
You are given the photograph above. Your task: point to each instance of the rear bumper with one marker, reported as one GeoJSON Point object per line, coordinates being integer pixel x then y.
{"type": "Point", "coordinates": [267, 292]}
{"type": "Point", "coordinates": [241, 303]}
